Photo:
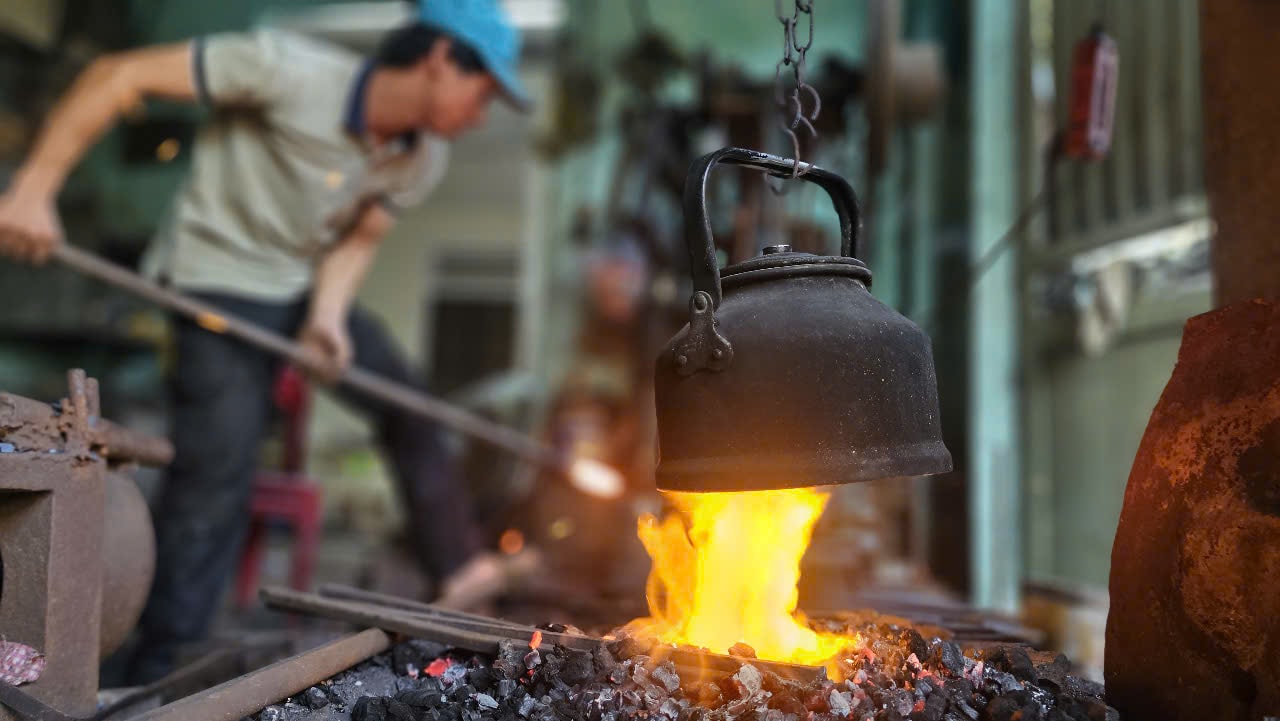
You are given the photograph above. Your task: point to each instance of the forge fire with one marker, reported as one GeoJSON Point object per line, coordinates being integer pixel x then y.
{"type": "Point", "coordinates": [724, 580]}
{"type": "Point", "coordinates": [726, 569]}
{"type": "Point", "coordinates": [896, 675]}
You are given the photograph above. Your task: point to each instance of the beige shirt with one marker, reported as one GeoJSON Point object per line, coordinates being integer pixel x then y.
{"type": "Point", "coordinates": [282, 169]}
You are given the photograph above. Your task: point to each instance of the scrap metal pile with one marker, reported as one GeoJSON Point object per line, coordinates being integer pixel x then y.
{"type": "Point", "coordinates": [896, 674]}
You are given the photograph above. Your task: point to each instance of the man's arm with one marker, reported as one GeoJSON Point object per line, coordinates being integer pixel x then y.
{"type": "Point", "coordinates": [111, 86]}
{"type": "Point", "coordinates": [338, 278]}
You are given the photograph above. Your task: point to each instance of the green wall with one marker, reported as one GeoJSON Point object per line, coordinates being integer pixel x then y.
{"type": "Point", "coordinates": [1093, 412]}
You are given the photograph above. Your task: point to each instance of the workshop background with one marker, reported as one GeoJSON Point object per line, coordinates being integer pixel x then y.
{"type": "Point", "coordinates": [537, 283]}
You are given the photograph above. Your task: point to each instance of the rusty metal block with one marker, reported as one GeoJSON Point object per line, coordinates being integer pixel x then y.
{"type": "Point", "coordinates": [76, 545]}
{"type": "Point", "coordinates": [51, 520]}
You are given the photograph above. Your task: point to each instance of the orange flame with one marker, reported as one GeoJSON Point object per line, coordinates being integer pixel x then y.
{"type": "Point", "coordinates": [726, 569]}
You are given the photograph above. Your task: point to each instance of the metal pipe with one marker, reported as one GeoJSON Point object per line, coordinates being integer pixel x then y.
{"type": "Point", "coordinates": [399, 395]}
{"type": "Point", "coordinates": [251, 693]}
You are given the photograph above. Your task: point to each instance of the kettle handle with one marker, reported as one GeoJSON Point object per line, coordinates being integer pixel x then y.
{"type": "Point", "coordinates": [697, 226]}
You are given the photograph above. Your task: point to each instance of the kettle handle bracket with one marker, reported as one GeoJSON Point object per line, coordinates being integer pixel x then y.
{"type": "Point", "coordinates": [700, 346]}
{"type": "Point", "coordinates": [703, 263]}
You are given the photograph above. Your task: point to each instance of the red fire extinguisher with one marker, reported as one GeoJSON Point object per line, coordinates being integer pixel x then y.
{"type": "Point", "coordinates": [1095, 65]}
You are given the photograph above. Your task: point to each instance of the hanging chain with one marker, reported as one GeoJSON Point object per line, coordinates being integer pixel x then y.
{"type": "Point", "coordinates": [796, 116]}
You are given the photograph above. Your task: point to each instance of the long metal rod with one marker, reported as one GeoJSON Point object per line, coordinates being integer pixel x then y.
{"type": "Point", "coordinates": [250, 693]}
{"type": "Point", "coordinates": [418, 608]}
{"type": "Point", "coordinates": [30, 708]}
{"type": "Point", "coordinates": [473, 634]}
{"type": "Point", "coordinates": [471, 639]}
{"type": "Point", "coordinates": [399, 395]}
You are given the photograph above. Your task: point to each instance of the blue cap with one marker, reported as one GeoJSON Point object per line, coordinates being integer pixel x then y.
{"type": "Point", "coordinates": [484, 26]}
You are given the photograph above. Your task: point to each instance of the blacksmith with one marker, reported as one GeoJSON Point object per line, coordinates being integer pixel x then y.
{"type": "Point", "coordinates": [309, 154]}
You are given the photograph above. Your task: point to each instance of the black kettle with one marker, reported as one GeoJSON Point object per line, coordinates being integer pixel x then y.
{"type": "Point", "coordinates": [790, 373]}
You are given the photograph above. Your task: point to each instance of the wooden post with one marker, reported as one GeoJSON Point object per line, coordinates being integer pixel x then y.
{"type": "Point", "coordinates": [1239, 62]}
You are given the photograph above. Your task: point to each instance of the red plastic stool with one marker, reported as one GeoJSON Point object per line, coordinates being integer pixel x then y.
{"type": "Point", "coordinates": [287, 495]}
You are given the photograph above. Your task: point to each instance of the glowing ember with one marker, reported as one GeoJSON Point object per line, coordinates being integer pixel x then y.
{"type": "Point", "coordinates": [438, 667]}
{"type": "Point", "coordinates": [511, 541]}
{"type": "Point", "coordinates": [726, 569]}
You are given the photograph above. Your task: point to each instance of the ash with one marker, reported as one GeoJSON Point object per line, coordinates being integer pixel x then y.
{"type": "Point", "coordinates": [896, 675]}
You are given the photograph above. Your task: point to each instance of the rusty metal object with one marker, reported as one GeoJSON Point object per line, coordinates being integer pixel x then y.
{"type": "Point", "coordinates": [482, 634]}
{"type": "Point", "coordinates": [51, 543]}
{"type": "Point", "coordinates": [55, 543]}
{"type": "Point", "coordinates": [128, 560]}
{"type": "Point", "coordinates": [252, 692]}
{"type": "Point", "coordinates": [35, 426]}
{"type": "Point", "coordinates": [1195, 569]}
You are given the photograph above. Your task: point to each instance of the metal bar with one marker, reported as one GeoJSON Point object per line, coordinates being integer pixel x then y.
{"type": "Point", "coordinates": [471, 639]}
{"type": "Point", "coordinates": [399, 395]}
{"type": "Point", "coordinates": [119, 444]}
{"type": "Point", "coordinates": [249, 694]}
{"type": "Point", "coordinates": [168, 686]}
{"type": "Point", "coordinates": [417, 608]}
{"type": "Point", "coordinates": [30, 708]}
{"type": "Point", "coordinates": [481, 639]}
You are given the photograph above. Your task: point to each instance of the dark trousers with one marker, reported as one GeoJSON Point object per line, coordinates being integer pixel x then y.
{"type": "Point", "coordinates": [221, 408]}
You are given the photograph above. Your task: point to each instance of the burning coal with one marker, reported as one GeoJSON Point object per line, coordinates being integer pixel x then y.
{"type": "Point", "coordinates": [897, 675]}
{"type": "Point", "coordinates": [726, 568]}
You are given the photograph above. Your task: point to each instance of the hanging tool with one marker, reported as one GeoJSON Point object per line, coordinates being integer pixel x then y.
{"type": "Point", "coordinates": [586, 475]}
{"type": "Point", "coordinates": [1095, 65]}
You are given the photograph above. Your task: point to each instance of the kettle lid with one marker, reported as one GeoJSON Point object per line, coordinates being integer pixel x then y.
{"type": "Point", "coordinates": [779, 261]}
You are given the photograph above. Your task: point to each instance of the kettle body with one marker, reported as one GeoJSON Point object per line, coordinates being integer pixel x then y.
{"type": "Point", "coordinates": [790, 373]}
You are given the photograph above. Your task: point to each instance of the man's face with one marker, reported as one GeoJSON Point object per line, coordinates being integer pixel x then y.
{"type": "Point", "coordinates": [455, 101]}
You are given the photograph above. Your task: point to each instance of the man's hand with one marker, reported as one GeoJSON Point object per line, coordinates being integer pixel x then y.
{"type": "Point", "coordinates": [29, 226]}
{"type": "Point", "coordinates": [112, 84]}
{"type": "Point", "coordinates": [327, 342]}
{"type": "Point", "coordinates": [339, 274]}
